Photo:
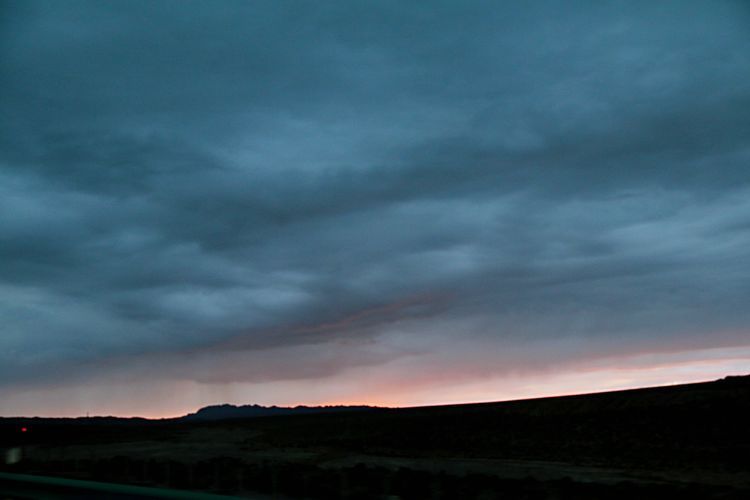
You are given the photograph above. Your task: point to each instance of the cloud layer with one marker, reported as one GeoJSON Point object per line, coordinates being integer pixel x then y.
{"type": "Point", "coordinates": [281, 191]}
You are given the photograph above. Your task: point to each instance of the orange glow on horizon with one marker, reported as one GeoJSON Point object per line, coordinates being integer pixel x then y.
{"type": "Point", "coordinates": [397, 385]}
{"type": "Point", "coordinates": [584, 379]}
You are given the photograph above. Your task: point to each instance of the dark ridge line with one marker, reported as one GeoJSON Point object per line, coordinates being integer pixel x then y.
{"type": "Point", "coordinates": [238, 412]}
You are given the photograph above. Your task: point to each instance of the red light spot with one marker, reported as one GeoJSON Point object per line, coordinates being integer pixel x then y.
{"type": "Point", "coordinates": [24, 429]}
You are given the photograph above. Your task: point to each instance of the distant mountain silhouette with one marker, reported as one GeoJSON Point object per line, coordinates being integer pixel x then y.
{"type": "Point", "coordinates": [227, 411]}
{"type": "Point", "coordinates": [687, 441]}
{"type": "Point", "coordinates": [647, 396]}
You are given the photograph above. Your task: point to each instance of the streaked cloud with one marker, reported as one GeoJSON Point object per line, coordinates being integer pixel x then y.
{"type": "Point", "coordinates": [275, 192]}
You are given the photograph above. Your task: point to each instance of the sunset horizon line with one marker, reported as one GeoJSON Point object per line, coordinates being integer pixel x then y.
{"type": "Point", "coordinates": [385, 406]}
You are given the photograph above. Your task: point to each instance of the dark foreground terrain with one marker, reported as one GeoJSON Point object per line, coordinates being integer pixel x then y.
{"type": "Point", "coordinates": [689, 442]}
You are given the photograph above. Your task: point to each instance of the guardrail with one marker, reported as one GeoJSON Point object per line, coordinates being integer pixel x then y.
{"type": "Point", "coordinates": [56, 488]}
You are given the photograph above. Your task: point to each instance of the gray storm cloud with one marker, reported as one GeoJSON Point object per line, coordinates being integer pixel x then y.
{"type": "Point", "coordinates": [379, 180]}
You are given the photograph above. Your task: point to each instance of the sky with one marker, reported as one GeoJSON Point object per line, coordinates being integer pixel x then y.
{"type": "Point", "coordinates": [385, 202]}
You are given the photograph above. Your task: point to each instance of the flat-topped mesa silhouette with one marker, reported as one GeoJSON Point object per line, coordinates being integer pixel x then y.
{"type": "Point", "coordinates": [228, 411]}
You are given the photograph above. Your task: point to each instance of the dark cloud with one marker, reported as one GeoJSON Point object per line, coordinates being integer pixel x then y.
{"type": "Point", "coordinates": [179, 179]}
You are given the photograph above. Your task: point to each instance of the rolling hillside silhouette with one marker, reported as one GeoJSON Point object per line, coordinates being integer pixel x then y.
{"type": "Point", "coordinates": [690, 440]}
